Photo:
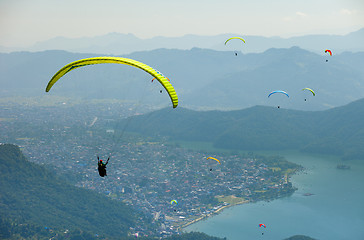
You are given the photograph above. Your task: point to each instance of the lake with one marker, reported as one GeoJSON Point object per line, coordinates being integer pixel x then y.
{"type": "Point", "coordinates": [334, 211]}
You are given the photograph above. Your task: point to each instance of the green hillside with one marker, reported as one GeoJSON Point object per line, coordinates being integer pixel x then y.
{"type": "Point", "coordinates": [32, 196]}
{"type": "Point", "coordinates": [337, 131]}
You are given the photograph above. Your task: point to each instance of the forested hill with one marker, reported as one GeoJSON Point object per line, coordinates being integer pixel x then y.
{"type": "Point", "coordinates": [337, 131]}
{"type": "Point", "coordinates": [32, 199]}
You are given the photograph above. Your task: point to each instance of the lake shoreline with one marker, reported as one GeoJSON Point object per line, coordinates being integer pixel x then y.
{"type": "Point", "coordinates": [217, 211]}
{"type": "Point", "coordinates": [220, 209]}
{"type": "Point", "coordinates": [330, 188]}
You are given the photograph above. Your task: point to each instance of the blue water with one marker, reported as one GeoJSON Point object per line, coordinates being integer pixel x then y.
{"type": "Point", "coordinates": [335, 211]}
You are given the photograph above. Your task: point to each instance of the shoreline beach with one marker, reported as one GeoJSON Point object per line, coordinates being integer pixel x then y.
{"type": "Point", "coordinates": [212, 213]}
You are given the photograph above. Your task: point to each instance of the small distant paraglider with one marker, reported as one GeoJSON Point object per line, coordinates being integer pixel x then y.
{"type": "Point", "coordinates": [279, 91]}
{"type": "Point", "coordinates": [174, 203]}
{"type": "Point", "coordinates": [262, 225]}
{"type": "Point", "coordinates": [160, 91]}
{"type": "Point", "coordinates": [213, 159]}
{"type": "Point", "coordinates": [236, 54]}
{"type": "Point", "coordinates": [328, 51]}
{"type": "Point", "coordinates": [309, 89]}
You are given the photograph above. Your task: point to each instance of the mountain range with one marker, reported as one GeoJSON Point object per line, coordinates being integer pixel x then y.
{"type": "Point", "coordinates": [203, 79]}
{"type": "Point", "coordinates": [119, 43]}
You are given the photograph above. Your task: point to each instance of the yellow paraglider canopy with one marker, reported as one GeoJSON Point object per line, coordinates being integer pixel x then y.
{"type": "Point", "coordinates": [309, 89]}
{"type": "Point", "coordinates": [235, 38]}
{"type": "Point", "coordinates": [119, 60]}
{"type": "Point", "coordinates": [213, 159]}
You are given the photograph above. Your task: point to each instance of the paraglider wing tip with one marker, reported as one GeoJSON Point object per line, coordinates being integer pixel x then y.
{"type": "Point", "coordinates": [49, 86]}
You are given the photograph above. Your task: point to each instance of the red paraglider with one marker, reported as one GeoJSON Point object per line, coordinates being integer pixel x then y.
{"type": "Point", "coordinates": [328, 51]}
{"type": "Point", "coordinates": [262, 225]}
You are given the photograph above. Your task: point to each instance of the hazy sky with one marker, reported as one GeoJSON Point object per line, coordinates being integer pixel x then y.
{"type": "Point", "coordinates": [24, 22]}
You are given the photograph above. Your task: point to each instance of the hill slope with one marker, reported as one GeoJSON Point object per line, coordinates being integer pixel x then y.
{"type": "Point", "coordinates": [335, 131]}
{"type": "Point", "coordinates": [31, 194]}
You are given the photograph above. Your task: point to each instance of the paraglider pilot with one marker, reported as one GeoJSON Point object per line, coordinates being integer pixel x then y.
{"type": "Point", "coordinates": [102, 166]}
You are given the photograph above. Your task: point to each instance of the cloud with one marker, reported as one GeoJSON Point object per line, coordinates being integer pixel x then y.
{"type": "Point", "coordinates": [294, 17]}
{"type": "Point", "coordinates": [345, 11]}
{"type": "Point", "coordinates": [301, 14]}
